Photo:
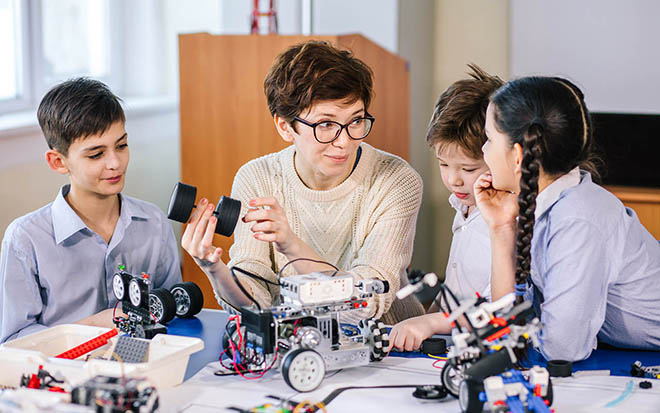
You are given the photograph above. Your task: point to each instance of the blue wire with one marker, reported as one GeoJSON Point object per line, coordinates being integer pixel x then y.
{"type": "Point", "coordinates": [626, 393]}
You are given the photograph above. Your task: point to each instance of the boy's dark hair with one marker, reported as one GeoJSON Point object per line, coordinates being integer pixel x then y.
{"type": "Point", "coordinates": [460, 112]}
{"type": "Point", "coordinates": [313, 71]}
{"type": "Point", "coordinates": [75, 109]}
{"type": "Point", "coordinates": [548, 118]}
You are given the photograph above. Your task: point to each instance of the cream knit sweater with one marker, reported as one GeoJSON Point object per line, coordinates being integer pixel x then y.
{"type": "Point", "coordinates": [365, 225]}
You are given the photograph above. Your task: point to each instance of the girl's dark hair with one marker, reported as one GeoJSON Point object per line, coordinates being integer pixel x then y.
{"type": "Point", "coordinates": [547, 116]}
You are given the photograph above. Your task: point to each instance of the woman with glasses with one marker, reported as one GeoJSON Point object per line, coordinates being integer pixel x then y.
{"type": "Point", "coordinates": [328, 197]}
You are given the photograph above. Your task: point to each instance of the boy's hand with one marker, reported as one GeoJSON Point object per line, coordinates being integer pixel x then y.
{"type": "Point", "coordinates": [197, 239]}
{"type": "Point", "coordinates": [272, 225]}
{"type": "Point", "coordinates": [408, 335]}
{"type": "Point", "coordinates": [498, 208]}
{"type": "Point", "coordinates": [102, 318]}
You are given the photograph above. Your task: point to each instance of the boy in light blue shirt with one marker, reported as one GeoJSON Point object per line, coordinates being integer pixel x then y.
{"type": "Point", "coordinates": [57, 263]}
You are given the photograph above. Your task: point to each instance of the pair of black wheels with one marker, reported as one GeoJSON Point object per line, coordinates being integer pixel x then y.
{"type": "Point", "coordinates": [182, 203]}
{"type": "Point", "coordinates": [183, 300]}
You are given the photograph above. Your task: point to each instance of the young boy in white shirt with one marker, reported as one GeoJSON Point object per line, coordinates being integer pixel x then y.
{"type": "Point", "coordinates": [456, 135]}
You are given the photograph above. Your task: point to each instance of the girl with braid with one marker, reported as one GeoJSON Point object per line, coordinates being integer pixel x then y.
{"type": "Point", "coordinates": [588, 265]}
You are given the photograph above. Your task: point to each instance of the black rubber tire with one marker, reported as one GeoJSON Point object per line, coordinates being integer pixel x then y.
{"type": "Point", "coordinates": [182, 202]}
{"type": "Point", "coordinates": [227, 212]}
{"type": "Point", "coordinates": [291, 369]}
{"type": "Point", "coordinates": [162, 305]}
{"type": "Point", "coordinates": [376, 337]}
{"type": "Point", "coordinates": [451, 386]}
{"type": "Point", "coordinates": [468, 396]}
{"type": "Point", "coordinates": [188, 298]}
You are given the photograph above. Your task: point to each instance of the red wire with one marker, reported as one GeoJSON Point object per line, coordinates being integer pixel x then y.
{"type": "Point", "coordinates": [238, 330]}
{"type": "Point", "coordinates": [235, 348]}
{"type": "Point", "coordinates": [114, 310]}
{"type": "Point", "coordinates": [248, 370]}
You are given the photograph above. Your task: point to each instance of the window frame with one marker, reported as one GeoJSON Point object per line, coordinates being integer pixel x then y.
{"type": "Point", "coordinates": [23, 98]}
{"type": "Point", "coordinates": [31, 81]}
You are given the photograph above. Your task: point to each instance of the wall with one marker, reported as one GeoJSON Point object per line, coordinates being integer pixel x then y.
{"type": "Point", "coordinates": [416, 45]}
{"type": "Point", "coordinates": [467, 31]}
{"type": "Point", "coordinates": [27, 183]}
{"type": "Point", "coordinates": [608, 47]}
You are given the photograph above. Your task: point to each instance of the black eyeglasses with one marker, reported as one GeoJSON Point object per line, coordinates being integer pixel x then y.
{"type": "Point", "coordinates": [327, 131]}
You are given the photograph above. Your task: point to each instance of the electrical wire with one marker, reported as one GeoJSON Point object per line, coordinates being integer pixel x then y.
{"type": "Point", "coordinates": [437, 361]}
{"type": "Point", "coordinates": [241, 366]}
{"type": "Point", "coordinates": [114, 310]}
{"type": "Point", "coordinates": [240, 286]}
{"type": "Point", "coordinates": [333, 395]}
{"type": "Point", "coordinates": [279, 274]}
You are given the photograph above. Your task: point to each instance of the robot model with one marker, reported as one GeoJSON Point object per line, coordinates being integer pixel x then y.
{"type": "Point", "coordinates": [303, 337]}
{"type": "Point", "coordinates": [512, 391]}
{"type": "Point", "coordinates": [147, 309]}
{"type": "Point", "coordinates": [497, 332]}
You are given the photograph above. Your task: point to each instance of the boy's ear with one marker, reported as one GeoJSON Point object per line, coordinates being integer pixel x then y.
{"type": "Point", "coordinates": [517, 158]}
{"type": "Point", "coordinates": [56, 162]}
{"type": "Point", "coordinates": [284, 128]}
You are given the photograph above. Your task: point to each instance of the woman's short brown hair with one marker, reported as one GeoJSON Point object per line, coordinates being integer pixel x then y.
{"type": "Point", "coordinates": [460, 112]}
{"type": "Point", "coordinates": [314, 71]}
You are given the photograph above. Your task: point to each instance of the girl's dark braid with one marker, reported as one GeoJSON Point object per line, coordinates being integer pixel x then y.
{"type": "Point", "coordinates": [529, 187]}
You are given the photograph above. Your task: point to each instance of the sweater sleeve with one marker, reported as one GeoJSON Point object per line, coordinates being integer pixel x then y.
{"type": "Point", "coordinates": [393, 205]}
{"type": "Point", "coordinates": [248, 253]}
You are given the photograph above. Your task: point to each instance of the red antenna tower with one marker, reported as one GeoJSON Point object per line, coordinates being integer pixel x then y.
{"type": "Point", "coordinates": [257, 14]}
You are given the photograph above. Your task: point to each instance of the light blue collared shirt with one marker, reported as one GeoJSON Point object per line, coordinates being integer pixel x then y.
{"type": "Point", "coordinates": [595, 269]}
{"type": "Point", "coordinates": [55, 270]}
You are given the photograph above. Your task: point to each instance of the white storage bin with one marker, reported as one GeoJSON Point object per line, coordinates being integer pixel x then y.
{"type": "Point", "coordinates": [166, 365]}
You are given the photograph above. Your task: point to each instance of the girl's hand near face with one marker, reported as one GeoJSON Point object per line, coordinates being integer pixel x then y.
{"type": "Point", "coordinates": [499, 208]}
{"type": "Point", "coordinates": [272, 225]}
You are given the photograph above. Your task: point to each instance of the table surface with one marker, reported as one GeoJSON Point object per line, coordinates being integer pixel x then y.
{"type": "Point", "coordinates": [209, 325]}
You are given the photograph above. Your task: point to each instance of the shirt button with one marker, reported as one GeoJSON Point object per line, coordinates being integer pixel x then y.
{"type": "Point", "coordinates": [453, 265]}
{"type": "Point", "coordinates": [464, 228]}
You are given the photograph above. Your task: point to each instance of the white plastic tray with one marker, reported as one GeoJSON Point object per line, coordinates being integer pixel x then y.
{"type": "Point", "coordinates": [166, 365]}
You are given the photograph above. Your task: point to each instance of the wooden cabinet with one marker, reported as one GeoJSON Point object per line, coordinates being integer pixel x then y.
{"type": "Point", "coordinates": [645, 202]}
{"type": "Point", "coordinates": [225, 120]}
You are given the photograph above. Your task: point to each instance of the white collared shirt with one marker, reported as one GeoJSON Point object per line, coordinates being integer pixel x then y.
{"type": "Point", "coordinates": [468, 268]}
